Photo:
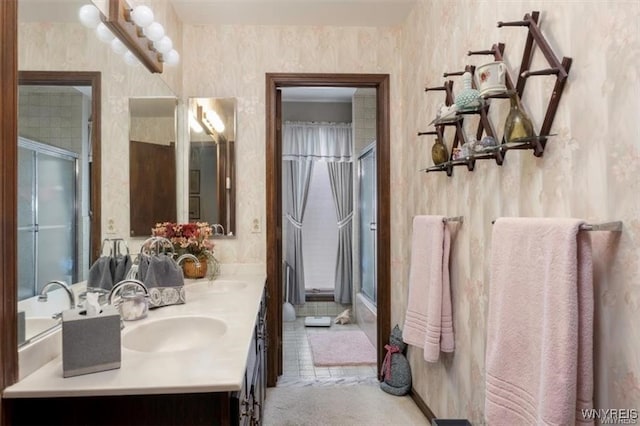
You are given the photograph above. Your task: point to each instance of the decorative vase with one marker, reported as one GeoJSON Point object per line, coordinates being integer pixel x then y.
{"type": "Point", "coordinates": [468, 98]}
{"type": "Point", "coordinates": [518, 125]}
{"type": "Point", "coordinates": [191, 270]}
{"type": "Point", "coordinates": [439, 152]}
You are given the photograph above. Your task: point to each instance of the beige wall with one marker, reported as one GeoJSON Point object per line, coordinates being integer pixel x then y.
{"type": "Point", "coordinates": [590, 170]}
{"type": "Point", "coordinates": [158, 130]}
{"type": "Point", "coordinates": [231, 61]}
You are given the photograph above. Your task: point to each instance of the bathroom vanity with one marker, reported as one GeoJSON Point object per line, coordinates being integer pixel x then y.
{"type": "Point", "coordinates": [202, 362]}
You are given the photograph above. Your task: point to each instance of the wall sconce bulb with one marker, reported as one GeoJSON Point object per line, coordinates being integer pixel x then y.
{"type": "Point", "coordinates": [171, 58]}
{"type": "Point", "coordinates": [154, 32]}
{"type": "Point", "coordinates": [104, 33]}
{"type": "Point", "coordinates": [142, 16]}
{"type": "Point", "coordinates": [164, 45]}
{"type": "Point", "coordinates": [89, 16]}
{"type": "Point", "coordinates": [118, 47]}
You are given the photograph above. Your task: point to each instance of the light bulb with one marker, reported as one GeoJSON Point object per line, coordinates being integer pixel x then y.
{"type": "Point", "coordinates": [154, 32]}
{"type": "Point", "coordinates": [117, 46]}
{"type": "Point", "coordinates": [89, 16]}
{"type": "Point", "coordinates": [171, 58]}
{"type": "Point", "coordinates": [164, 45]}
{"type": "Point", "coordinates": [142, 16]}
{"type": "Point", "coordinates": [104, 33]}
{"type": "Point", "coordinates": [130, 58]}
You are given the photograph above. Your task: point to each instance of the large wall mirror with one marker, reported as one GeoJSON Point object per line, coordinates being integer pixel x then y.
{"type": "Point", "coordinates": [58, 177]}
{"type": "Point", "coordinates": [212, 130]}
{"type": "Point", "coordinates": [73, 190]}
{"type": "Point", "coordinates": [152, 163]}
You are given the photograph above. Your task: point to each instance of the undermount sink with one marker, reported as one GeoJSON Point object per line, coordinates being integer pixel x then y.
{"type": "Point", "coordinates": [174, 334]}
{"type": "Point", "coordinates": [217, 286]}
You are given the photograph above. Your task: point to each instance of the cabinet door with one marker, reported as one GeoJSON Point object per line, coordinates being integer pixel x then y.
{"type": "Point", "coordinates": [257, 392]}
{"type": "Point", "coordinates": [241, 411]}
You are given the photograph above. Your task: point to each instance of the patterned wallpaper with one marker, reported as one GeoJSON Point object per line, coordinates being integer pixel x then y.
{"type": "Point", "coordinates": [231, 61]}
{"type": "Point", "coordinates": [588, 171]}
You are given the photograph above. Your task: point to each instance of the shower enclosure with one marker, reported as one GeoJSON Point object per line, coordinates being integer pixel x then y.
{"type": "Point", "coordinates": [368, 226]}
{"type": "Point", "coordinates": [47, 216]}
{"type": "Point", "coordinates": [366, 297]}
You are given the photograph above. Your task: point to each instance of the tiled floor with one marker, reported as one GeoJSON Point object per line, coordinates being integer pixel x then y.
{"type": "Point", "coordinates": [297, 360]}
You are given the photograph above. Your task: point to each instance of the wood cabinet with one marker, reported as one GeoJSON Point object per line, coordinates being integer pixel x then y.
{"type": "Point", "coordinates": [248, 404]}
{"type": "Point", "coordinates": [244, 407]}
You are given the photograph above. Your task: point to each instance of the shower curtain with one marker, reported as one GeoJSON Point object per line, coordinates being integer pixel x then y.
{"type": "Point", "coordinates": [341, 177]}
{"type": "Point", "coordinates": [302, 144]}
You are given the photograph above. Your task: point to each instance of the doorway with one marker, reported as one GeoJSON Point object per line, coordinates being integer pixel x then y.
{"type": "Point", "coordinates": [379, 82]}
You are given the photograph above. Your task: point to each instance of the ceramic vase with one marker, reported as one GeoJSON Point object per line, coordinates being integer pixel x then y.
{"type": "Point", "coordinates": [439, 152]}
{"type": "Point", "coordinates": [468, 98]}
{"type": "Point", "coordinates": [518, 125]}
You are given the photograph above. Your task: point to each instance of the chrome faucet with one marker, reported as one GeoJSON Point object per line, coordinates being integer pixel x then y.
{"type": "Point", "coordinates": [216, 227]}
{"type": "Point", "coordinates": [43, 297]}
{"type": "Point", "coordinates": [188, 256]}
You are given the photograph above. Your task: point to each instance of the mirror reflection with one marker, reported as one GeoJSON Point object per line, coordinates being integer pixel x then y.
{"type": "Point", "coordinates": [54, 146]}
{"type": "Point", "coordinates": [212, 123]}
{"type": "Point", "coordinates": [56, 161]}
{"type": "Point", "coordinates": [152, 163]}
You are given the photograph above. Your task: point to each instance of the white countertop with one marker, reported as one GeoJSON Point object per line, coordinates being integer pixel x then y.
{"type": "Point", "coordinates": [214, 368]}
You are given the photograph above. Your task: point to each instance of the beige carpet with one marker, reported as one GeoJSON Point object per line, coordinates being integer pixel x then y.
{"type": "Point", "coordinates": [339, 405]}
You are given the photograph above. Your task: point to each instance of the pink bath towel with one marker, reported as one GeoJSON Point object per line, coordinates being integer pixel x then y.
{"type": "Point", "coordinates": [539, 360]}
{"type": "Point", "coordinates": [428, 322]}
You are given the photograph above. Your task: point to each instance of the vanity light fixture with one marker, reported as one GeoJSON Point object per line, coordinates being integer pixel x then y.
{"type": "Point", "coordinates": [132, 33]}
{"type": "Point", "coordinates": [209, 120]}
{"type": "Point", "coordinates": [212, 119]}
{"type": "Point", "coordinates": [193, 123]}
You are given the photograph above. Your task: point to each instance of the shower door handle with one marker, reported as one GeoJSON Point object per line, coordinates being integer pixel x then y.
{"type": "Point", "coordinates": [373, 226]}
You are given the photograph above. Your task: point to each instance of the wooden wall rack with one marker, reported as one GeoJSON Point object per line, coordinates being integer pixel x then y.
{"type": "Point", "coordinates": [559, 68]}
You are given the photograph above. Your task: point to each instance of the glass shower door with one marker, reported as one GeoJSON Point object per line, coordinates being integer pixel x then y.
{"type": "Point", "coordinates": [47, 217]}
{"type": "Point", "coordinates": [368, 226]}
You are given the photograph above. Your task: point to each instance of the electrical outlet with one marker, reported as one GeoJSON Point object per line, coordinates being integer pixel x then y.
{"type": "Point", "coordinates": [256, 228]}
{"type": "Point", "coordinates": [111, 229]}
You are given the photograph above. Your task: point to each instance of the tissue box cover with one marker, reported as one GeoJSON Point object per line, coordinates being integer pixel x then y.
{"type": "Point", "coordinates": [90, 344]}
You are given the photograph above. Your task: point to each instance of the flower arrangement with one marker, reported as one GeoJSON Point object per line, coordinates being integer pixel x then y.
{"type": "Point", "coordinates": [190, 238]}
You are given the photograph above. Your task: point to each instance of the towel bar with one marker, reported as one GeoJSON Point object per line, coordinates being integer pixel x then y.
{"type": "Point", "coordinates": [608, 226]}
{"type": "Point", "coordinates": [453, 219]}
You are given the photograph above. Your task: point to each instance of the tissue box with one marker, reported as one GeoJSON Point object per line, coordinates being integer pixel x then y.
{"type": "Point", "coordinates": [90, 343]}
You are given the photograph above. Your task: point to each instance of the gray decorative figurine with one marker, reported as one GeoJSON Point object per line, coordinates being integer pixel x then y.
{"type": "Point", "coordinates": [396, 372]}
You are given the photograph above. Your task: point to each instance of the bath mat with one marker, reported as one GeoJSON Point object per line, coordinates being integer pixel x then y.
{"type": "Point", "coordinates": [331, 348]}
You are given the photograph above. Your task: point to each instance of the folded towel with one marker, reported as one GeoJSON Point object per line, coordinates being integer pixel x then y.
{"type": "Point", "coordinates": [164, 279]}
{"type": "Point", "coordinates": [539, 366]}
{"type": "Point", "coordinates": [428, 321]}
{"type": "Point", "coordinates": [123, 265]}
{"type": "Point", "coordinates": [101, 273]}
